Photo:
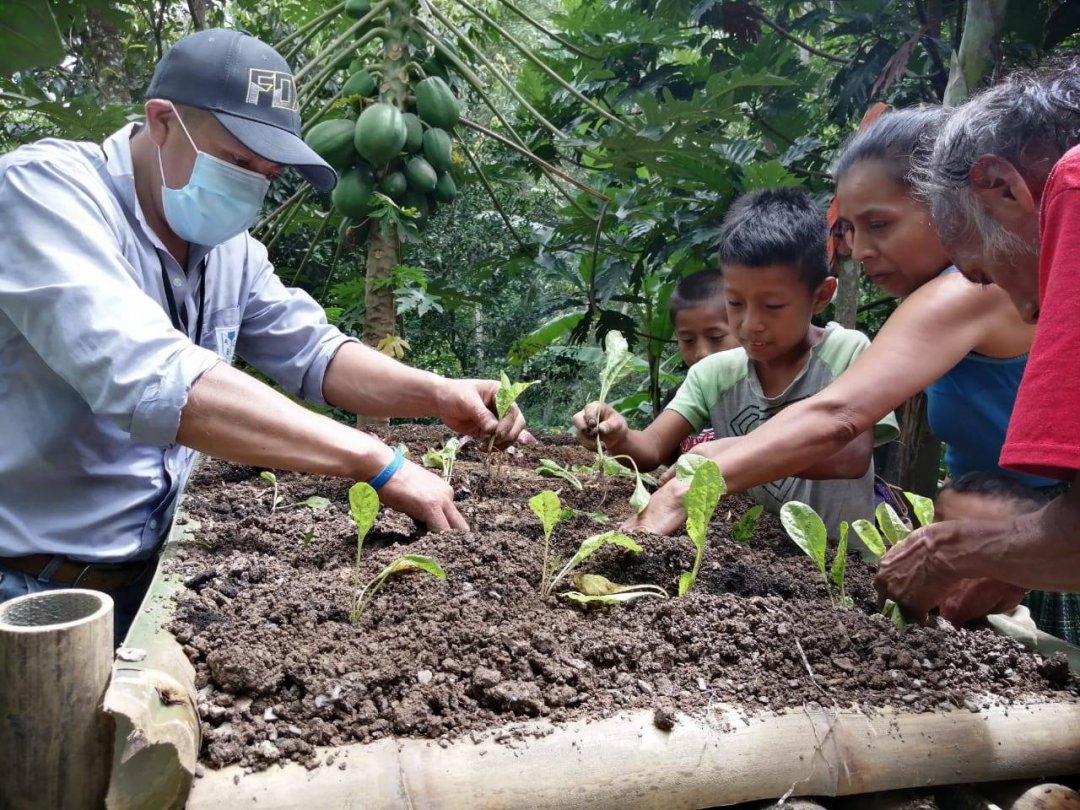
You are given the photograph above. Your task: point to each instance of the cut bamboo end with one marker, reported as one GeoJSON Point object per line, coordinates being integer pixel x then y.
{"type": "Point", "coordinates": [56, 651]}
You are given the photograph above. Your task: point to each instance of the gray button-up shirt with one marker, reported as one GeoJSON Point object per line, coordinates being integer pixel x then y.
{"type": "Point", "coordinates": [93, 373]}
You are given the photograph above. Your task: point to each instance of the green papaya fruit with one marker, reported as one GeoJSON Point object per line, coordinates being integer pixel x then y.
{"type": "Point", "coordinates": [435, 104]}
{"type": "Point", "coordinates": [357, 8]}
{"type": "Point", "coordinates": [380, 133]}
{"type": "Point", "coordinates": [333, 142]}
{"type": "Point", "coordinates": [420, 175]}
{"type": "Point", "coordinates": [360, 83]}
{"type": "Point", "coordinates": [352, 194]}
{"type": "Point", "coordinates": [445, 188]}
{"type": "Point", "coordinates": [438, 150]}
{"type": "Point", "coordinates": [414, 139]}
{"type": "Point", "coordinates": [394, 185]}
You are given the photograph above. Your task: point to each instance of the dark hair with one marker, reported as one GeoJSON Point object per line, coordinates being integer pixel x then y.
{"type": "Point", "coordinates": [776, 226]}
{"type": "Point", "coordinates": [898, 139]}
{"type": "Point", "coordinates": [696, 289]}
{"type": "Point", "coordinates": [998, 485]}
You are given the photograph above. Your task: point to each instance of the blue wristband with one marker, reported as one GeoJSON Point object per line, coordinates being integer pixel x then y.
{"type": "Point", "coordinates": [388, 471]}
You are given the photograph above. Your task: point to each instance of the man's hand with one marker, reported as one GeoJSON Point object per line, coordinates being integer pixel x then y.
{"type": "Point", "coordinates": [468, 407]}
{"type": "Point", "coordinates": [665, 513]}
{"type": "Point", "coordinates": [913, 573]}
{"type": "Point", "coordinates": [424, 497]}
{"type": "Point", "coordinates": [972, 599]}
{"type": "Point", "coordinates": [598, 421]}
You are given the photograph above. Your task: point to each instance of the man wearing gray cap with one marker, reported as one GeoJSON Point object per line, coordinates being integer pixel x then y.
{"type": "Point", "coordinates": [129, 281]}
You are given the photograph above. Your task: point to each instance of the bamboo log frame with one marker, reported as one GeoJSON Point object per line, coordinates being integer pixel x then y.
{"type": "Point", "coordinates": [55, 656]}
{"type": "Point", "coordinates": [723, 758]}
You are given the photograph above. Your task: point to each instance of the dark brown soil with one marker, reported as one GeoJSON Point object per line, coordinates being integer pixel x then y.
{"type": "Point", "coordinates": [281, 668]}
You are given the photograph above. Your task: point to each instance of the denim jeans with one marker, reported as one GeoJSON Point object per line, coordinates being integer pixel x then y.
{"type": "Point", "coordinates": [126, 600]}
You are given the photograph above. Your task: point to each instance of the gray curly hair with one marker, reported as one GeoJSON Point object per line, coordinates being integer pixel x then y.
{"type": "Point", "coordinates": [1031, 120]}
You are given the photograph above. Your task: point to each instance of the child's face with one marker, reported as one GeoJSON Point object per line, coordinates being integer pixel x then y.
{"type": "Point", "coordinates": [769, 308]}
{"type": "Point", "coordinates": [703, 330]}
{"type": "Point", "coordinates": [953, 505]}
{"type": "Point", "coordinates": [889, 232]}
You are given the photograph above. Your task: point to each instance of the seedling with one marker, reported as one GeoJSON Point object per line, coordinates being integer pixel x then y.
{"type": "Point", "coordinates": [271, 479]}
{"type": "Point", "coordinates": [407, 562]}
{"type": "Point", "coordinates": [445, 457]}
{"type": "Point", "coordinates": [589, 546]}
{"type": "Point", "coordinates": [364, 506]}
{"type": "Point", "coordinates": [839, 565]}
{"type": "Point", "coordinates": [743, 530]}
{"type": "Point", "coordinates": [316, 503]}
{"type": "Point", "coordinates": [892, 526]}
{"type": "Point", "coordinates": [806, 528]}
{"type": "Point", "coordinates": [505, 397]}
{"type": "Point", "coordinates": [306, 538]}
{"type": "Point", "coordinates": [706, 488]}
{"type": "Point", "coordinates": [553, 469]}
{"type": "Point", "coordinates": [687, 465]}
{"type": "Point", "coordinates": [923, 508]}
{"type": "Point", "coordinates": [547, 507]}
{"type": "Point", "coordinates": [617, 364]}
{"type": "Point", "coordinates": [595, 589]}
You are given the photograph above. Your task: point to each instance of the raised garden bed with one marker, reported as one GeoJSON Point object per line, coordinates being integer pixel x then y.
{"type": "Point", "coordinates": [747, 687]}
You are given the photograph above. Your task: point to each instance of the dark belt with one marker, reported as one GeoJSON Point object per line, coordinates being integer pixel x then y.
{"type": "Point", "coordinates": [95, 576]}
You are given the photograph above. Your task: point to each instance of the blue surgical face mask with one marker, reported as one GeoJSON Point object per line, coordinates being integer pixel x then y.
{"type": "Point", "coordinates": [219, 201]}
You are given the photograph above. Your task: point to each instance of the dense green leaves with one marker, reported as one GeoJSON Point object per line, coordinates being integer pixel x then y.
{"type": "Point", "coordinates": [29, 35]}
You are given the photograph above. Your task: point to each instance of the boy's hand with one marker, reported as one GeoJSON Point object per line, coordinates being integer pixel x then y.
{"type": "Point", "coordinates": [598, 421]}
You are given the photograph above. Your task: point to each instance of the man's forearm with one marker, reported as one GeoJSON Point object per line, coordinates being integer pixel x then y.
{"type": "Point", "coordinates": [362, 380]}
{"type": "Point", "coordinates": [233, 416]}
{"type": "Point", "coordinates": [1040, 550]}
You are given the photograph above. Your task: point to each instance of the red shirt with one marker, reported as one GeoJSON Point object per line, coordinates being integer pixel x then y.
{"type": "Point", "coordinates": [1044, 432]}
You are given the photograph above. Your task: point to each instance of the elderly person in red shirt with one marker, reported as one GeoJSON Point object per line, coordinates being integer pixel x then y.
{"type": "Point", "coordinates": [1003, 186]}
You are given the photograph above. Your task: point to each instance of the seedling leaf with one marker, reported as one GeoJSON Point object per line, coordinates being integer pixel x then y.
{"type": "Point", "coordinates": [892, 610]}
{"type": "Point", "coordinates": [552, 469]}
{"type": "Point", "coordinates": [617, 362]}
{"type": "Point", "coordinates": [923, 507]}
{"type": "Point", "coordinates": [870, 536]}
{"type": "Point", "coordinates": [640, 499]}
{"type": "Point", "coordinates": [743, 530]}
{"type": "Point", "coordinates": [891, 525]}
{"type": "Point", "coordinates": [546, 506]}
{"type": "Point", "coordinates": [316, 503]}
{"type": "Point", "coordinates": [364, 506]}
{"type": "Point", "coordinates": [839, 563]}
{"type": "Point", "coordinates": [507, 393]}
{"type": "Point", "coordinates": [807, 529]}
{"type": "Point", "coordinates": [631, 594]}
{"type": "Point", "coordinates": [271, 479]}
{"type": "Point", "coordinates": [588, 547]}
{"type": "Point", "coordinates": [687, 465]}
{"type": "Point", "coordinates": [413, 562]}
{"type": "Point", "coordinates": [700, 501]}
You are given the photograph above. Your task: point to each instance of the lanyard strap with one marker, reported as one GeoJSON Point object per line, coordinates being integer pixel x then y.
{"type": "Point", "coordinates": [174, 311]}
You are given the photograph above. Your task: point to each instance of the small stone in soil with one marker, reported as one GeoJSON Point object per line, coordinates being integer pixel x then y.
{"type": "Point", "coordinates": [664, 718]}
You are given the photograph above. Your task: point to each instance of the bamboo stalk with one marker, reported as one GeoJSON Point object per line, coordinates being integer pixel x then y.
{"type": "Point", "coordinates": [56, 650]}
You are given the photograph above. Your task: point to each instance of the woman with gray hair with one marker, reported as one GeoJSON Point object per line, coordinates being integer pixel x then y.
{"type": "Point", "coordinates": [1003, 184]}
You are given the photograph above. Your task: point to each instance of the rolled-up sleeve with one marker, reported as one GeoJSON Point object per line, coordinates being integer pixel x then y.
{"type": "Point", "coordinates": [284, 332]}
{"type": "Point", "coordinates": [67, 288]}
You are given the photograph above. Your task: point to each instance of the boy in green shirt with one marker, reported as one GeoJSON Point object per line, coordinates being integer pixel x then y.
{"type": "Point", "coordinates": [772, 255]}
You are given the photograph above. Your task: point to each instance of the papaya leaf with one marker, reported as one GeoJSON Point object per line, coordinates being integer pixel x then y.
{"type": "Point", "coordinates": [891, 525]}
{"type": "Point", "coordinates": [743, 530]}
{"type": "Point", "coordinates": [507, 393]}
{"type": "Point", "coordinates": [923, 507]}
{"type": "Point", "coordinates": [31, 36]}
{"type": "Point", "coordinates": [870, 536]}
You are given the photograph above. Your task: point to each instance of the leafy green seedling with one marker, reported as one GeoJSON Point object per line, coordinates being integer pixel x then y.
{"type": "Point", "coordinates": [508, 393]}
{"type": "Point", "coordinates": [316, 503]}
{"type": "Point", "coordinates": [706, 488]}
{"type": "Point", "coordinates": [891, 525]}
{"type": "Point", "coordinates": [407, 562]}
{"type": "Point", "coordinates": [923, 508]}
{"type": "Point", "coordinates": [870, 536]}
{"type": "Point", "coordinates": [743, 529]}
{"type": "Point", "coordinates": [306, 538]}
{"type": "Point", "coordinates": [546, 506]}
{"type": "Point", "coordinates": [618, 361]}
{"type": "Point", "coordinates": [595, 589]}
{"type": "Point", "coordinates": [445, 457]}
{"type": "Point", "coordinates": [588, 547]}
{"type": "Point", "coordinates": [596, 517]}
{"type": "Point", "coordinates": [806, 528]}
{"type": "Point", "coordinates": [839, 565]}
{"type": "Point", "coordinates": [553, 469]}
{"type": "Point", "coordinates": [687, 465]}
{"type": "Point", "coordinates": [271, 479]}
{"type": "Point", "coordinates": [364, 507]}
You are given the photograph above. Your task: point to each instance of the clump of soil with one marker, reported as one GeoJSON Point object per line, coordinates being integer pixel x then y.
{"type": "Point", "coordinates": [281, 669]}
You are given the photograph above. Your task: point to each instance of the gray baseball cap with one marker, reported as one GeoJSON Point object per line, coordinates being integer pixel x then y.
{"type": "Point", "coordinates": [248, 87]}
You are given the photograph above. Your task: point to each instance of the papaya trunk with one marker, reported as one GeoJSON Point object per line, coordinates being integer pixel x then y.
{"type": "Point", "coordinates": [382, 257]}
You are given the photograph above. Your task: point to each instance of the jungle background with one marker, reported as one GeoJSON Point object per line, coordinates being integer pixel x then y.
{"type": "Point", "coordinates": [600, 144]}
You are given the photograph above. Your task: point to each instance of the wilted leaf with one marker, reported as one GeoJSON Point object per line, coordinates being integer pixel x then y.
{"type": "Point", "coordinates": [640, 499]}
{"type": "Point", "coordinates": [617, 362]}
{"type": "Point", "coordinates": [553, 469]}
{"type": "Point", "coordinates": [413, 562]}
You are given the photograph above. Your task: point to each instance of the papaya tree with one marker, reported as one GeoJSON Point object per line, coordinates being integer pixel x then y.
{"type": "Point", "coordinates": [383, 99]}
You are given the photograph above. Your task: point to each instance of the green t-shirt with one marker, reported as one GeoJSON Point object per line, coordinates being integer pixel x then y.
{"type": "Point", "coordinates": [723, 389]}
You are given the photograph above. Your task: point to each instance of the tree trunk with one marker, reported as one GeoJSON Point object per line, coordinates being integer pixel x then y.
{"type": "Point", "coordinates": [912, 461]}
{"type": "Point", "coordinates": [198, 14]}
{"type": "Point", "coordinates": [382, 258]}
{"type": "Point", "coordinates": [979, 49]}
{"type": "Point", "coordinates": [105, 52]}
